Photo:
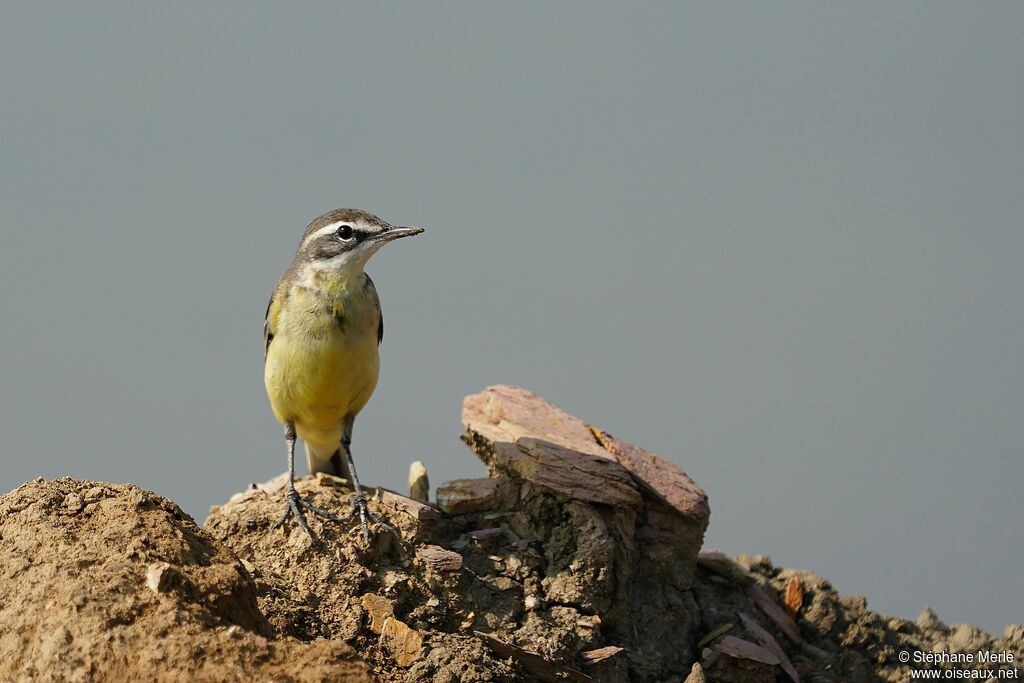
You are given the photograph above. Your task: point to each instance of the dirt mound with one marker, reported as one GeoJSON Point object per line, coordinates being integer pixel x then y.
{"type": "Point", "coordinates": [577, 559]}
{"type": "Point", "coordinates": [111, 582]}
{"type": "Point", "coordinates": [799, 621]}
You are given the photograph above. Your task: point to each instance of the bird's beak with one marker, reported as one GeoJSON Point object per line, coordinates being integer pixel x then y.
{"type": "Point", "coordinates": [395, 233]}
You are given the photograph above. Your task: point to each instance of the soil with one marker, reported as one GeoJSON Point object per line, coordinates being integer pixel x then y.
{"type": "Point", "coordinates": [77, 559]}
{"type": "Point", "coordinates": [520, 577]}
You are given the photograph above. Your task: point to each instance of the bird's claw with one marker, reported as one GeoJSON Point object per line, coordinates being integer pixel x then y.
{"type": "Point", "coordinates": [359, 505]}
{"type": "Point", "coordinates": [294, 505]}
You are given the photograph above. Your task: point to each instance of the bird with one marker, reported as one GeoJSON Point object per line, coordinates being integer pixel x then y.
{"type": "Point", "coordinates": [321, 334]}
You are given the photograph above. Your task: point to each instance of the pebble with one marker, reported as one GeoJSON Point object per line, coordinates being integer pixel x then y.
{"type": "Point", "coordinates": [161, 577]}
{"type": "Point", "coordinates": [73, 503]}
{"type": "Point", "coordinates": [405, 644]}
{"type": "Point", "coordinates": [379, 608]}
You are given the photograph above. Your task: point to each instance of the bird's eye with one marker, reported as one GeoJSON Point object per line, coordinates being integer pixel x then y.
{"type": "Point", "coordinates": [345, 232]}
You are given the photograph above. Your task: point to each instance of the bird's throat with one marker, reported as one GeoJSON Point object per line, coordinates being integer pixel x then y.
{"type": "Point", "coordinates": [329, 282]}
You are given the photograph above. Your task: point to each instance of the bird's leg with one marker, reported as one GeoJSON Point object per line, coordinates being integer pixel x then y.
{"type": "Point", "coordinates": [293, 502]}
{"type": "Point", "coordinates": [359, 505]}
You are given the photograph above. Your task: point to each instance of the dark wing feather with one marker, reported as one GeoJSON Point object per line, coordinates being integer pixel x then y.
{"type": "Point", "coordinates": [268, 334]}
{"type": "Point", "coordinates": [368, 284]}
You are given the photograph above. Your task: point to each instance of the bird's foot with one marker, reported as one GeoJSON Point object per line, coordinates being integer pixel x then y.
{"type": "Point", "coordinates": [294, 504]}
{"type": "Point", "coordinates": [360, 506]}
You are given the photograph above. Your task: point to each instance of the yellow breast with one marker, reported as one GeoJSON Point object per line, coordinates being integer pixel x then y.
{"type": "Point", "coordinates": [322, 363]}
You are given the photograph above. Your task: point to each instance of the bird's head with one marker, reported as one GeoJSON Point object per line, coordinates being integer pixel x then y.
{"type": "Point", "coordinates": [343, 240]}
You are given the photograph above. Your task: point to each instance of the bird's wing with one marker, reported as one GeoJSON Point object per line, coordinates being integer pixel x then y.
{"type": "Point", "coordinates": [269, 321]}
{"type": "Point", "coordinates": [368, 284]}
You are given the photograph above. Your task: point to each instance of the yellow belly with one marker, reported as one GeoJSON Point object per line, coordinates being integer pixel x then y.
{"type": "Point", "coordinates": [319, 381]}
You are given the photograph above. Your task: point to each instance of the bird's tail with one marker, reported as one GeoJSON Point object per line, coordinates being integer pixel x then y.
{"type": "Point", "coordinates": [327, 461]}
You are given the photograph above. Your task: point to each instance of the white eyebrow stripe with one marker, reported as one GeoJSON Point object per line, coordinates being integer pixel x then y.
{"type": "Point", "coordinates": [324, 231]}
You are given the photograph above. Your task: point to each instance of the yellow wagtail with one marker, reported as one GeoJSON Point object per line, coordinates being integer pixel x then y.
{"type": "Point", "coordinates": [321, 334]}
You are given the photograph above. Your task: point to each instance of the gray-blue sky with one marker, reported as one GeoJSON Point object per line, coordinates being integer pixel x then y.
{"type": "Point", "coordinates": [779, 244]}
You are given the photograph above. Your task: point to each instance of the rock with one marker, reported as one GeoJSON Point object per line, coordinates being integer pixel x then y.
{"type": "Point", "coordinates": [516, 431]}
{"type": "Point", "coordinates": [774, 612]}
{"type": "Point", "coordinates": [734, 660]}
{"type": "Point", "coordinates": [419, 511]}
{"type": "Point", "coordinates": [724, 566]}
{"type": "Point", "coordinates": [485, 534]}
{"type": "Point", "coordinates": [660, 479]}
{"type": "Point", "coordinates": [744, 649]}
{"type": "Point", "coordinates": [967, 638]}
{"type": "Point", "coordinates": [600, 654]}
{"type": "Point", "coordinates": [321, 478]}
{"type": "Point", "coordinates": [716, 633]}
{"type": "Point", "coordinates": [439, 559]}
{"type": "Point", "coordinates": [636, 522]}
{"type": "Point", "coordinates": [161, 577]}
{"type": "Point", "coordinates": [73, 503]}
{"type": "Point", "coordinates": [379, 609]}
{"type": "Point", "coordinates": [768, 642]}
{"type": "Point", "coordinates": [562, 470]}
{"type": "Point", "coordinates": [793, 597]}
{"type": "Point", "coordinates": [696, 674]}
{"type": "Point", "coordinates": [405, 644]}
{"type": "Point", "coordinates": [461, 496]}
{"type": "Point", "coordinates": [930, 620]}
{"type": "Point", "coordinates": [274, 485]}
{"type": "Point", "coordinates": [419, 483]}
{"type": "Point", "coordinates": [540, 668]}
